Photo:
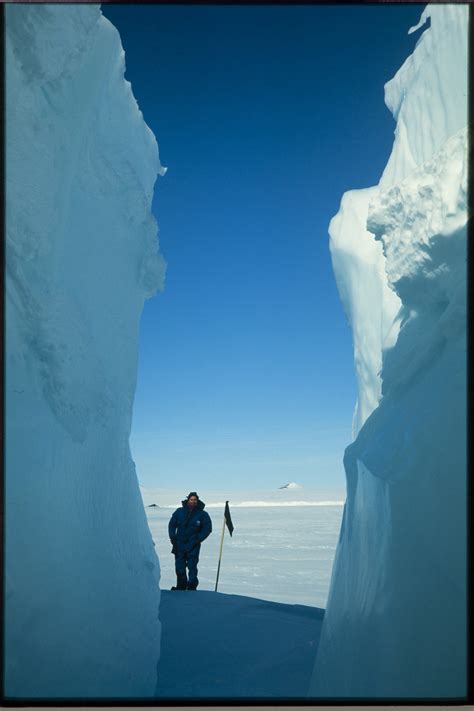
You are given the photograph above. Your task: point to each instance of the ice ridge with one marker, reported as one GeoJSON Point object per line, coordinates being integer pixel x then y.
{"type": "Point", "coordinates": [396, 619]}
{"type": "Point", "coordinates": [81, 596]}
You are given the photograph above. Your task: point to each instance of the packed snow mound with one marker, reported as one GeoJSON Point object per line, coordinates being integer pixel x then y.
{"type": "Point", "coordinates": [242, 646]}
{"type": "Point", "coordinates": [291, 485]}
{"type": "Point", "coordinates": [81, 596]}
{"type": "Point", "coordinates": [395, 625]}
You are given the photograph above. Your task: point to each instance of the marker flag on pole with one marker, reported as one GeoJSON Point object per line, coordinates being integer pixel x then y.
{"type": "Point", "coordinates": [228, 520]}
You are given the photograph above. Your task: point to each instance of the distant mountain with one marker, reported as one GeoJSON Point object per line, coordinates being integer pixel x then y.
{"type": "Point", "coordinates": [151, 506]}
{"type": "Point", "coordinates": [291, 485]}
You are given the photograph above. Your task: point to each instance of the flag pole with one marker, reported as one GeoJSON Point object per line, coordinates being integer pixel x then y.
{"type": "Point", "coordinates": [220, 553]}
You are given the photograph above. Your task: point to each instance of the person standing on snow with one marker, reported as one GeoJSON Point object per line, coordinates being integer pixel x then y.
{"type": "Point", "coordinates": [189, 526]}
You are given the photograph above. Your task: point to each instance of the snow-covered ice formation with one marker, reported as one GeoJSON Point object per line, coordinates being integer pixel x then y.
{"type": "Point", "coordinates": [291, 485]}
{"type": "Point", "coordinates": [395, 624]}
{"type": "Point", "coordinates": [81, 590]}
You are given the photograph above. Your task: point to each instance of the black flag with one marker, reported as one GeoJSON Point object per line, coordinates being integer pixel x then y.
{"type": "Point", "coordinates": [228, 519]}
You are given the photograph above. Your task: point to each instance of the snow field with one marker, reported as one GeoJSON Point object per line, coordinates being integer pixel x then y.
{"type": "Point", "coordinates": [278, 553]}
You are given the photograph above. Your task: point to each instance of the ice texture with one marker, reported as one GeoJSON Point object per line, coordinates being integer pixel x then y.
{"type": "Point", "coordinates": [81, 588]}
{"type": "Point", "coordinates": [395, 625]}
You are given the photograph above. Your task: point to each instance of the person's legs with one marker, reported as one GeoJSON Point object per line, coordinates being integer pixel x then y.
{"type": "Point", "coordinates": [180, 567]}
{"type": "Point", "coordinates": [193, 559]}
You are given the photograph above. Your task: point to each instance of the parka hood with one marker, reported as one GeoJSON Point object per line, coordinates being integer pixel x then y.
{"type": "Point", "coordinates": [199, 507]}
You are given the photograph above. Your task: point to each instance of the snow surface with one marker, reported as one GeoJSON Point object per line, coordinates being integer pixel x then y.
{"type": "Point", "coordinates": [281, 551]}
{"type": "Point", "coordinates": [233, 646]}
{"type": "Point", "coordinates": [395, 624]}
{"type": "Point", "coordinates": [81, 587]}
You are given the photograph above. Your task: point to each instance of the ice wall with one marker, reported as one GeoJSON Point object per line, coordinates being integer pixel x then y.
{"type": "Point", "coordinates": [81, 588]}
{"type": "Point", "coordinates": [395, 625]}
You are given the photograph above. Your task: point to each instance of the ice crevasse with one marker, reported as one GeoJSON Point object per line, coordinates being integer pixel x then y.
{"type": "Point", "coordinates": [396, 619]}
{"type": "Point", "coordinates": [82, 255]}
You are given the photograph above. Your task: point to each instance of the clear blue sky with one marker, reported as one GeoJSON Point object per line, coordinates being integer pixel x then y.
{"type": "Point", "coordinates": [264, 116]}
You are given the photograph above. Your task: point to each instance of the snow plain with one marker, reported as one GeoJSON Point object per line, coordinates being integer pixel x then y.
{"type": "Point", "coordinates": [282, 548]}
{"type": "Point", "coordinates": [257, 637]}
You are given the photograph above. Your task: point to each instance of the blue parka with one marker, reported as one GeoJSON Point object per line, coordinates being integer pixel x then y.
{"type": "Point", "coordinates": [188, 529]}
